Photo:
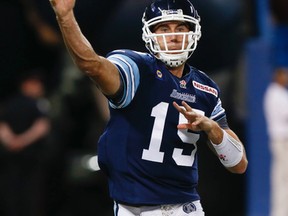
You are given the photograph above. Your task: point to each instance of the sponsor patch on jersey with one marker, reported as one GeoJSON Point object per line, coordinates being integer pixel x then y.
{"type": "Point", "coordinates": [205, 88]}
{"type": "Point", "coordinates": [189, 207]}
{"type": "Point", "coordinates": [183, 96]}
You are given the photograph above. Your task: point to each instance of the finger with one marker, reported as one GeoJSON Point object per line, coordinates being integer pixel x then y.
{"type": "Point", "coordinates": [188, 126]}
{"type": "Point", "coordinates": [183, 126]}
{"type": "Point", "coordinates": [196, 122]}
{"type": "Point", "coordinates": [179, 108]}
{"type": "Point", "coordinates": [187, 107]}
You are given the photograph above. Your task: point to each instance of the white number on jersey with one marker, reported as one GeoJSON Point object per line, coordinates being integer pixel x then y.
{"type": "Point", "coordinates": [153, 153]}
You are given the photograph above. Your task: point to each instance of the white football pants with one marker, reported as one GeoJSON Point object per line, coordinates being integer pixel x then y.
{"type": "Point", "coordinates": [186, 209]}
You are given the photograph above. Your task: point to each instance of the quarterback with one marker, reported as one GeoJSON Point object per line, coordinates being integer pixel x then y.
{"type": "Point", "coordinates": [161, 109]}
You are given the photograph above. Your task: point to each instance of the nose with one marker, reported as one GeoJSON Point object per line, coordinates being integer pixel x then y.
{"type": "Point", "coordinates": [172, 38]}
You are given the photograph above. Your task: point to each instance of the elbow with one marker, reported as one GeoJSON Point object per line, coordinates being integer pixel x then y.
{"type": "Point", "coordinates": [240, 168]}
{"type": "Point", "coordinates": [88, 65]}
{"type": "Point", "coordinates": [90, 69]}
{"type": "Point", "coordinates": [85, 67]}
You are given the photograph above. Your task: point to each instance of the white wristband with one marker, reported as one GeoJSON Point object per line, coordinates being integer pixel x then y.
{"type": "Point", "coordinates": [230, 151]}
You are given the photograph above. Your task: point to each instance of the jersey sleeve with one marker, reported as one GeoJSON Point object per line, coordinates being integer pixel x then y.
{"type": "Point", "coordinates": [127, 64]}
{"type": "Point", "coordinates": [219, 115]}
{"type": "Point", "coordinates": [217, 112]}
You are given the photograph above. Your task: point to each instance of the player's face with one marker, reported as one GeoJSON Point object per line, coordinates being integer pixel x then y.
{"type": "Point", "coordinates": [171, 41]}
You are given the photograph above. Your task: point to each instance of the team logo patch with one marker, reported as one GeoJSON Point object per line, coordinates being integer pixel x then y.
{"type": "Point", "coordinates": [159, 74]}
{"type": "Point", "coordinates": [168, 12]}
{"type": "Point", "coordinates": [183, 84]}
{"type": "Point", "coordinates": [189, 207]}
{"type": "Point", "coordinates": [205, 88]}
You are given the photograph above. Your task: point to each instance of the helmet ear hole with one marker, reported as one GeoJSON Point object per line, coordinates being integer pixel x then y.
{"type": "Point", "coordinates": [192, 27]}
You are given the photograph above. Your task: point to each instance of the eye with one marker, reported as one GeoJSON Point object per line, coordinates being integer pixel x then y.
{"type": "Point", "coordinates": [163, 29]}
{"type": "Point", "coordinates": [182, 28]}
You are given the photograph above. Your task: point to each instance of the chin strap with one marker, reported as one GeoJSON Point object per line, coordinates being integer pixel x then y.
{"type": "Point", "coordinates": [173, 60]}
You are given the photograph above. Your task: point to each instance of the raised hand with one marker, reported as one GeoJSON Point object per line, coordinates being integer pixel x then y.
{"type": "Point", "coordinates": [62, 7]}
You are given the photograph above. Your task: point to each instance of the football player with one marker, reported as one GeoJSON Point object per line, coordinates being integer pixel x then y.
{"type": "Point", "coordinates": [161, 109]}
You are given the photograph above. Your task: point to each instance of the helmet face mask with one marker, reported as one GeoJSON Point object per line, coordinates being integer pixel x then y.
{"type": "Point", "coordinates": [161, 11]}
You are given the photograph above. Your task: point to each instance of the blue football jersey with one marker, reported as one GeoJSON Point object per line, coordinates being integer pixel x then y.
{"type": "Point", "coordinates": [147, 159]}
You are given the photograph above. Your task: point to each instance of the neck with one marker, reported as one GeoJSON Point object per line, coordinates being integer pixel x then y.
{"type": "Point", "coordinates": [177, 71]}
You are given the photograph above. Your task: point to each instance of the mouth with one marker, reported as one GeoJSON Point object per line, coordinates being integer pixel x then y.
{"type": "Point", "coordinates": [174, 49]}
{"type": "Point", "coordinates": [174, 46]}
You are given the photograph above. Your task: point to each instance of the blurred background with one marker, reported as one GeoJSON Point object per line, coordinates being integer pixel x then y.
{"type": "Point", "coordinates": [235, 50]}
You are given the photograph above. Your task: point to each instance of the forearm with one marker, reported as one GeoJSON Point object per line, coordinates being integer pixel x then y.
{"type": "Point", "coordinates": [227, 146]}
{"type": "Point", "coordinates": [215, 133]}
{"type": "Point", "coordinates": [6, 134]}
{"type": "Point", "coordinates": [99, 69]}
{"type": "Point", "coordinates": [37, 131]}
{"type": "Point", "coordinates": [78, 46]}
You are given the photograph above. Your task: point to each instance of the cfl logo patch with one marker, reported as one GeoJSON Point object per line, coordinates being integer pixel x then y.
{"type": "Point", "coordinates": [189, 207]}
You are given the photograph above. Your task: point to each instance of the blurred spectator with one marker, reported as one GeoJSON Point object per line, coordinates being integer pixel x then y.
{"type": "Point", "coordinates": [276, 113]}
{"type": "Point", "coordinates": [279, 12]}
{"type": "Point", "coordinates": [24, 129]}
{"type": "Point", "coordinates": [275, 105]}
{"type": "Point", "coordinates": [28, 40]}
